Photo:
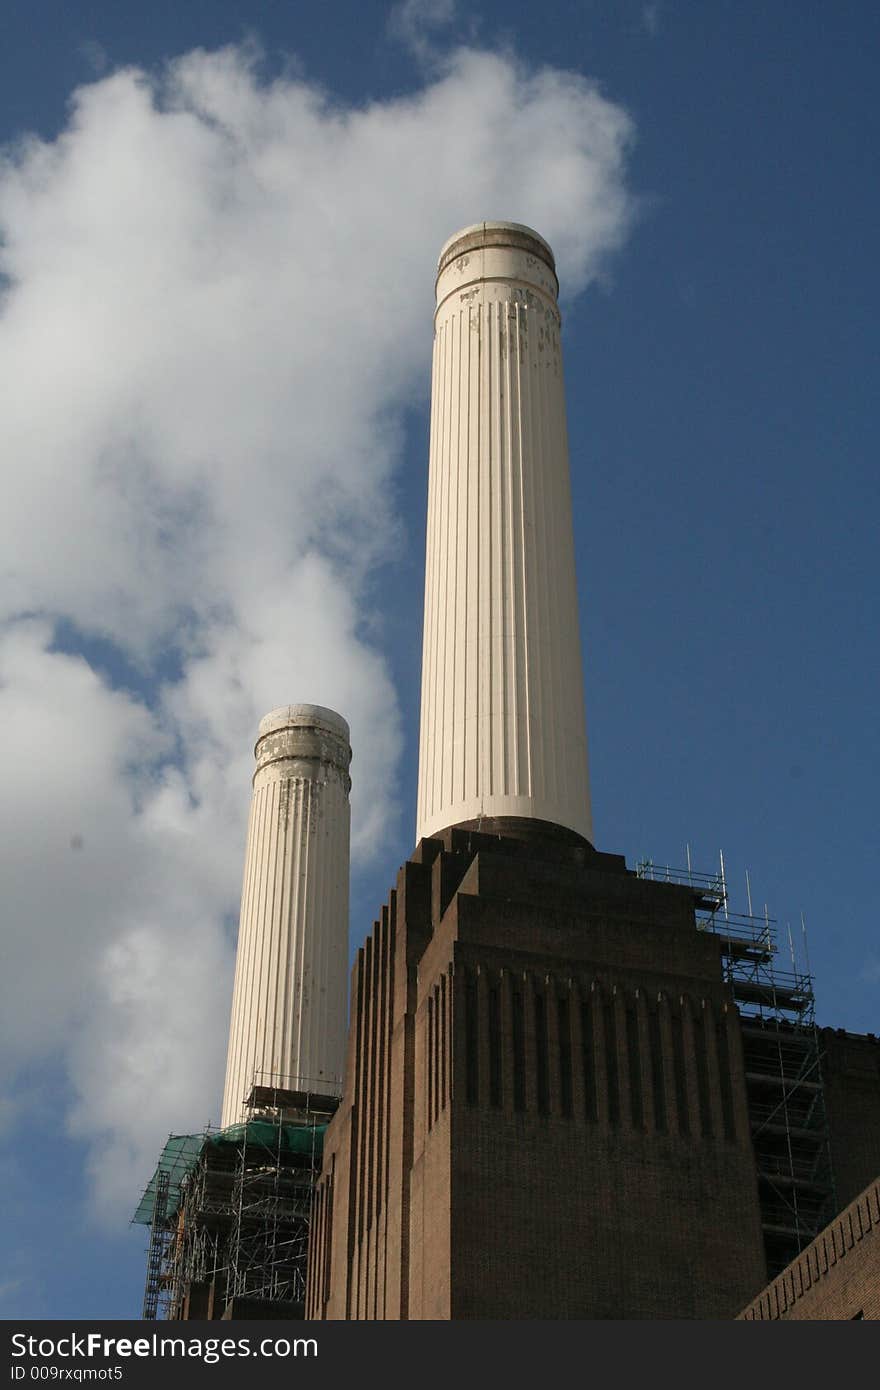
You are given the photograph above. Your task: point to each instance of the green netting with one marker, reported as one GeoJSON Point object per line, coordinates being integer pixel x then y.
{"type": "Point", "coordinates": [297, 1139]}
{"type": "Point", "coordinates": [176, 1159]}
{"type": "Point", "coordinates": [182, 1151]}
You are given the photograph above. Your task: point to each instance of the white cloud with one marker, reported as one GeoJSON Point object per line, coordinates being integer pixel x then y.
{"type": "Point", "coordinates": [217, 309]}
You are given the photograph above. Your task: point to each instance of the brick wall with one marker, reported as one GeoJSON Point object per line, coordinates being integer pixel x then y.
{"type": "Point", "coordinates": [851, 1073]}
{"type": "Point", "coordinates": [837, 1277]}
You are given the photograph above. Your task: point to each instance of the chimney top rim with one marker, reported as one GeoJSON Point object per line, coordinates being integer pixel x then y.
{"type": "Point", "coordinates": [483, 234]}
{"type": "Point", "coordinates": [304, 716]}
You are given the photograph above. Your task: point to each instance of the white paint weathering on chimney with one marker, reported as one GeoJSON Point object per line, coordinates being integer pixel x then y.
{"type": "Point", "coordinates": [503, 732]}
{"type": "Point", "coordinates": [291, 972]}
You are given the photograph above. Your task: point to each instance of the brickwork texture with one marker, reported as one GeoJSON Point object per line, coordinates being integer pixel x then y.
{"type": "Point", "coordinates": [837, 1277]}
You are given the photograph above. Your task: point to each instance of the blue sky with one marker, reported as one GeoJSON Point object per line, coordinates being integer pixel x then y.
{"type": "Point", "coordinates": [216, 330]}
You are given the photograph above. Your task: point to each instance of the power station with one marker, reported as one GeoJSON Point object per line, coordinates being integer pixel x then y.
{"type": "Point", "coordinates": [570, 1089]}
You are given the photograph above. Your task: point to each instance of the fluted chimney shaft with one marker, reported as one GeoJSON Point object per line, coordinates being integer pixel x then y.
{"type": "Point", "coordinates": [291, 972]}
{"type": "Point", "coordinates": [503, 732]}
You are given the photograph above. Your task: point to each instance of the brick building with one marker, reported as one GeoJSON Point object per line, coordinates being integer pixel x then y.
{"type": "Point", "coordinates": [851, 1076]}
{"type": "Point", "coordinates": [837, 1277]}
{"type": "Point", "coordinates": [545, 1113]}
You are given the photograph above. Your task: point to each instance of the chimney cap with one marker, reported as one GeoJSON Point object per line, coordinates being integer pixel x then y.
{"type": "Point", "coordinates": [480, 235]}
{"type": "Point", "coordinates": [304, 717]}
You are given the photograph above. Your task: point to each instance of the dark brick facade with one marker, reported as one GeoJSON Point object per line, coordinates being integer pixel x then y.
{"type": "Point", "coordinates": [545, 1111]}
{"type": "Point", "coordinates": [851, 1075]}
{"type": "Point", "coordinates": [837, 1277]}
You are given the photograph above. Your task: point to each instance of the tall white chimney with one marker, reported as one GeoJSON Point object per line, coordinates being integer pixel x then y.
{"type": "Point", "coordinates": [291, 971]}
{"type": "Point", "coordinates": [503, 733]}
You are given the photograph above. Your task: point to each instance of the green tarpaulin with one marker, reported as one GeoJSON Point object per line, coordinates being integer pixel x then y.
{"type": "Point", "coordinates": [181, 1152]}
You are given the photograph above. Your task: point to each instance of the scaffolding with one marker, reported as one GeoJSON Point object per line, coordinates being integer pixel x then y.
{"type": "Point", "coordinates": [272, 1193]}
{"type": "Point", "coordinates": [158, 1246]}
{"type": "Point", "coordinates": [782, 1055]}
{"type": "Point", "coordinates": [229, 1211]}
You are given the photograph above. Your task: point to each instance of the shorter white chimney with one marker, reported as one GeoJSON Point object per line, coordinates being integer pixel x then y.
{"type": "Point", "coordinates": [289, 1012]}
